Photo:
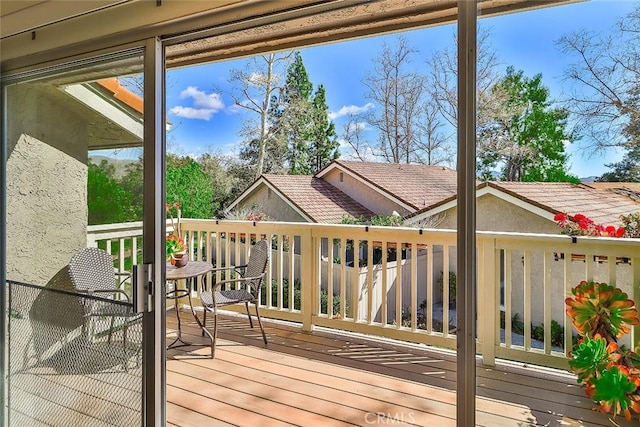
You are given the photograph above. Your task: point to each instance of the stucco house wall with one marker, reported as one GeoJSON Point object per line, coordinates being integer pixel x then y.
{"type": "Point", "coordinates": [363, 194]}
{"type": "Point", "coordinates": [269, 202]}
{"type": "Point", "coordinates": [496, 214]}
{"type": "Point", "coordinates": [46, 183]}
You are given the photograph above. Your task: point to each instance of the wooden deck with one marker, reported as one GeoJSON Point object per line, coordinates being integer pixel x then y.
{"type": "Point", "coordinates": [326, 378]}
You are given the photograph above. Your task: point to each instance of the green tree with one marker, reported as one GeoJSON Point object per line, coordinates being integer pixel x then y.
{"type": "Point", "coordinates": [107, 201]}
{"type": "Point", "coordinates": [292, 117]}
{"type": "Point", "coordinates": [626, 170]}
{"type": "Point", "coordinates": [224, 182]}
{"type": "Point", "coordinates": [189, 185]}
{"type": "Point", "coordinates": [521, 133]}
{"type": "Point", "coordinates": [132, 182]}
{"type": "Point", "coordinates": [324, 141]}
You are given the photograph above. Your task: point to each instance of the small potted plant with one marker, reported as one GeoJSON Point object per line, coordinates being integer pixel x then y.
{"type": "Point", "coordinates": [176, 251]}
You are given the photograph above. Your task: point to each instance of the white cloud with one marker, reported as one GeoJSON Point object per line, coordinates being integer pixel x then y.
{"type": "Point", "coordinates": [204, 105]}
{"type": "Point", "coordinates": [350, 109]}
{"type": "Point", "coordinates": [359, 126]}
{"type": "Point", "coordinates": [211, 101]}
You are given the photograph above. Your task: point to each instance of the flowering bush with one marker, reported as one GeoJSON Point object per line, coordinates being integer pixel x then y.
{"type": "Point", "coordinates": [580, 225]}
{"type": "Point", "coordinates": [610, 374]}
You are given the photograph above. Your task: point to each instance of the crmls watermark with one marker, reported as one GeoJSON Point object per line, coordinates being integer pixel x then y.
{"type": "Point", "coordinates": [389, 418]}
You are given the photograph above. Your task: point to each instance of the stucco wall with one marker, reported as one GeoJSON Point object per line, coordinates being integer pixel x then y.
{"type": "Point", "coordinates": [495, 214]}
{"type": "Point", "coordinates": [46, 183]}
{"type": "Point", "coordinates": [363, 194]}
{"type": "Point", "coordinates": [272, 205]}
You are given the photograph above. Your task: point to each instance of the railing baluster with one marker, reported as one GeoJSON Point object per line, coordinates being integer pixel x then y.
{"type": "Point", "coordinates": [398, 284]}
{"type": "Point", "coordinates": [429, 299]}
{"type": "Point", "coordinates": [330, 277]}
{"type": "Point", "coordinates": [527, 300]}
{"type": "Point", "coordinates": [547, 294]}
{"type": "Point", "coordinates": [343, 278]}
{"type": "Point", "coordinates": [414, 287]}
{"type": "Point", "coordinates": [370, 287]}
{"type": "Point", "coordinates": [355, 282]}
{"type": "Point", "coordinates": [568, 285]}
{"type": "Point", "coordinates": [508, 284]}
{"type": "Point", "coordinates": [385, 284]}
{"type": "Point", "coordinates": [292, 277]}
{"type": "Point", "coordinates": [445, 290]}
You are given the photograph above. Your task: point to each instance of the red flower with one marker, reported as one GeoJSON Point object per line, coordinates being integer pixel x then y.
{"type": "Point", "coordinates": [580, 218]}
{"type": "Point", "coordinates": [560, 217]}
{"type": "Point", "coordinates": [620, 232]}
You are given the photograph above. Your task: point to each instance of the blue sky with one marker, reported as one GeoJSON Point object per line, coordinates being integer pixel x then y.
{"type": "Point", "coordinates": [205, 120]}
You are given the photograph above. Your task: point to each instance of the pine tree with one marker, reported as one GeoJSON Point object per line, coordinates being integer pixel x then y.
{"type": "Point", "coordinates": [324, 141]}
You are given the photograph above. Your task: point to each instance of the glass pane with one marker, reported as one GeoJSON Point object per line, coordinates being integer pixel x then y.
{"type": "Point", "coordinates": [74, 231]}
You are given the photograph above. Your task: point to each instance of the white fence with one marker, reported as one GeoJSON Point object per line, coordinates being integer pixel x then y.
{"type": "Point", "coordinates": [334, 276]}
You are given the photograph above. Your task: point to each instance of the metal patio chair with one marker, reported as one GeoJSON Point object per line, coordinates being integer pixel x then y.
{"type": "Point", "coordinates": [92, 272]}
{"type": "Point", "coordinates": [247, 290]}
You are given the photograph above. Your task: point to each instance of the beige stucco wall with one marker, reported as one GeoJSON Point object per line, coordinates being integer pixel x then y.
{"type": "Point", "coordinates": [495, 214]}
{"type": "Point", "coordinates": [271, 204]}
{"type": "Point", "coordinates": [363, 194]}
{"type": "Point", "coordinates": [46, 183]}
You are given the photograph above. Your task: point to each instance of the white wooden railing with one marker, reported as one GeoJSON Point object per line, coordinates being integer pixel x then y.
{"type": "Point", "coordinates": [521, 277]}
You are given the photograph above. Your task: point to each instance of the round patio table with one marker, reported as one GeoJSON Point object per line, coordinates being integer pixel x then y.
{"type": "Point", "coordinates": [193, 271]}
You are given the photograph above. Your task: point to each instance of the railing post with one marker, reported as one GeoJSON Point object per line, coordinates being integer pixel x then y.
{"type": "Point", "coordinates": [309, 278]}
{"type": "Point", "coordinates": [635, 296]}
{"type": "Point", "coordinates": [490, 301]}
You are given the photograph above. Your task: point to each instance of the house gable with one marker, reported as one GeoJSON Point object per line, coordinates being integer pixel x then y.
{"type": "Point", "coordinates": [271, 201]}
{"type": "Point", "coordinates": [388, 187]}
{"type": "Point", "coordinates": [535, 201]}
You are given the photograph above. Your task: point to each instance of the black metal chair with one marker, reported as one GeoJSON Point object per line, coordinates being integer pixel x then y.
{"type": "Point", "coordinates": [249, 281]}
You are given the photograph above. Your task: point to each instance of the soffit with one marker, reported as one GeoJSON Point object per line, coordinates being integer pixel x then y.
{"type": "Point", "coordinates": [349, 21]}
{"type": "Point", "coordinates": [210, 31]}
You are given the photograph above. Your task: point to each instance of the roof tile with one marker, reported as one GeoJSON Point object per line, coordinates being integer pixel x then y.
{"type": "Point", "coordinates": [417, 185]}
{"type": "Point", "coordinates": [321, 201]}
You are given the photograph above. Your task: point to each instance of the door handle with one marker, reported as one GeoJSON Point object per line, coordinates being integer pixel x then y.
{"type": "Point", "coordinates": [143, 288]}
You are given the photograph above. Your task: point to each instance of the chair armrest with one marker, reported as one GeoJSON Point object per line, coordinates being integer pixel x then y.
{"type": "Point", "coordinates": [122, 274]}
{"type": "Point", "coordinates": [238, 279]}
{"type": "Point", "coordinates": [105, 291]}
{"type": "Point", "coordinates": [231, 267]}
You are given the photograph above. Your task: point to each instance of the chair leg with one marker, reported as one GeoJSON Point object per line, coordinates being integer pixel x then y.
{"type": "Point", "coordinates": [110, 329]}
{"type": "Point", "coordinates": [204, 322]}
{"type": "Point", "coordinates": [264, 337]}
{"type": "Point", "coordinates": [212, 337]}
{"type": "Point", "coordinates": [246, 304]}
{"type": "Point", "coordinates": [215, 333]}
{"type": "Point", "coordinates": [124, 346]}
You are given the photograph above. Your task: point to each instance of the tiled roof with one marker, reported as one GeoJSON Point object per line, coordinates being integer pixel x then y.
{"type": "Point", "coordinates": [122, 94]}
{"type": "Point", "coordinates": [600, 204]}
{"type": "Point", "coordinates": [321, 201]}
{"type": "Point", "coordinates": [416, 185]}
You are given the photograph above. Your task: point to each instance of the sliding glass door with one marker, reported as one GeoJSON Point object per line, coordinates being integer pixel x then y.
{"type": "Point", "coordinates": [79, 168]}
